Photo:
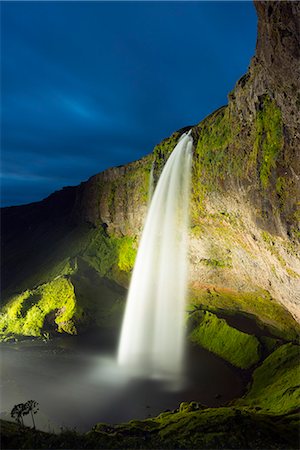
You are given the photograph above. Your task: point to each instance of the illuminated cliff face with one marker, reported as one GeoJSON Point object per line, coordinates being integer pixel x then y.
{"type": "Point", "coordinates": [245, 194]}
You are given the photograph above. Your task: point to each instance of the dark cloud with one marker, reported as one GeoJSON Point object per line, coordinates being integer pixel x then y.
{"type": "Point", "coordinates": [90, 85]}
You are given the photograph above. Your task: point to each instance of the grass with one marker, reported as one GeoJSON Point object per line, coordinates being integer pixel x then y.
{"type": "Point", "coordinates": [25, 314]}
{"type": "Point", "coordinates": [273, 247]}
{"type": "Point", "coordinates": [276, 383]}
{"type": "Point", "coordinates": [269, 139]}
{"type": "Point", "coordinates": [236, 347]}
{"type": "Point", "coordinates": [162, 151]}
{"type": "Point", "coordinates": [101, 252]}
{"type": "Point", "coordinates": [127, 248]}
{"type": "Point", "coordinates": [217, 263]}
{"type": "Point", "coordinates": [66, 304]}
{"type": "Point", "coordinates": [258, 305]}
{"type": "Point", "coordinates": [202, 428]}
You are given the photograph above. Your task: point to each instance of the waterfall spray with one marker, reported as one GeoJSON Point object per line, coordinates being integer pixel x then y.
{"type": "Point", "coordinates": [152, 335]}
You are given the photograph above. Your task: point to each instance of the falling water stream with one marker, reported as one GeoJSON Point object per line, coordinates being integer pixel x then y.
{"type": "Point", "coordinates": [152, 335]}
{"type": "Point", "coordinates": [76, 380]}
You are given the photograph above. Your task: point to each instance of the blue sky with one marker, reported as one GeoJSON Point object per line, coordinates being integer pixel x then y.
{"type": "Point", "coordinates": [90, 85]}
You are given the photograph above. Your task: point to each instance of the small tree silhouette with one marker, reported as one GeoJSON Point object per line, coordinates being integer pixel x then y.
{"type": "Point", "coordinates": [18, 412]}
{"type": "Point", "coordinates": [31, 407]}
{"type": "Point", "coordinates": [22, 409]}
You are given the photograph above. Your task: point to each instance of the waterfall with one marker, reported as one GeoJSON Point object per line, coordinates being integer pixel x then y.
{"type": "Point", "coordinates": [152, 335]}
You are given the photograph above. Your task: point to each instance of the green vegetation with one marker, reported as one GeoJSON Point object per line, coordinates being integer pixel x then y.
{"type": "Point", "coordinates": [26, 314]}
{"type": "Point", "coordinates": [218, 263]}
{"type": "Point", "coordinates": [162, 151]}
{"type": "Point", "coordinates": [56, 255]}
{"type": "Point", "coordinates": [137, 180]}
{"type": "Point", "coordinates": [126, 253]}
{"type": "Point", "coordinates": [191, 427]}
{"type": "Point", "coordinates": [100, 300]}
{"type": "Point", "coordinates": [268, 141]}
{"type": "Point", "coordinates": [66, 304]}
{"type": "Point", "coordinates": [212, 333]}
{"type": "Point", "coordinates": [215, 135]}
{"type": "Point", "coordinates": [104, 252]}
{"type": "Point", "coordinates": [273, 247]}
{"type": "Point", "coordinates": [275, 386]}
{"type": "Point", "coordinates": [258, 305]}
{"type": "Point", "coordinates": [269, 344]}
{"type": "Point", "coordinates": [216, 140]}
{"type": "Point", "coordinates": [101, 253]}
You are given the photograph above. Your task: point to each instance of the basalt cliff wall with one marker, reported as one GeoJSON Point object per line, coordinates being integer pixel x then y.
{"type": "Point", "coordinates": [244, 234]}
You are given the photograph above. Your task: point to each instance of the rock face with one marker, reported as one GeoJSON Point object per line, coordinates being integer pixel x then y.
{"type": "Point", "coordinates": [245, 194]}
{"type": "Point", "coordinates": [274, 73]}
{"type": "Point", "coordinates": [117, 198]}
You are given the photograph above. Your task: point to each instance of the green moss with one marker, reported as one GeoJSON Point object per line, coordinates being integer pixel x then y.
{"type": "Point", "coordinates": [269, 344]}
{"type": "Point", "coordinates": [56, 256]}
{"type": "Point", "coordinates": [163, 150]}
{"type": "Point", "coordinates": [217, 263]}
{"type": "Point", "coordinates": [138, 180]}
{"type": "Point", "coordinates": [207, 428]}
{"type": "Point", "coordinates": [268, 141]}
{"type": "Point", "coordinates": [111, 198]}
{"type": "Point", "coordinates": [215, 135]}
{"type": "Point", "coordinates": [101, 252]}
{"type": "Point", "coordinates": [212, 333]}
{"type": "Point", "coordinates": [258, 305]}
{"type": "Point", "coordinates": [57, 296]}
{"type": "Point", "coordinates": [105, 252]}
{"type": "Point", "coordinates": [126, 253]}
{"type": "Point", "coordinates": [215, 140]}
{"type": "Point", "coordinates": [211, 428]}
{"type": "Point", "coordinates": [213, 159]}
{"type": "Point", "coordinates": [275, 386]}
{"type": "Point", "coordinates": [270, 242]}
{"type": "Point", "coordinates": [99, 300]}
{"type": "Point", "coordinates": [128, 189]}
{"type": "Point", "coordinates": [281, 186]}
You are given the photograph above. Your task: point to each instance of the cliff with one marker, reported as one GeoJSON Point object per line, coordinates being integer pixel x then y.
{"type": "Point", "coordinates": [244, 238]}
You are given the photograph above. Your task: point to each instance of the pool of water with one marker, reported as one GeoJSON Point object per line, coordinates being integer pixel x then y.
{"type": "Point", "coordinates": [77, 382]}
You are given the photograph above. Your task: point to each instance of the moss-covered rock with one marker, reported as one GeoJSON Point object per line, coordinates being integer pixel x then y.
{"type": "Point", "coordinates": [214, 334]}
{"type": "Point", "coordinates": [268, 140]}
{"type": "Point", "coordinates": [275, 387]}
{"type": "Point", "coordinates": [25, 314]}
{"type": "Point", "coordinates": [211, 428]}
{"type": "Point", "coordinates": [257, 305]}
{"type": "Point", "coordinates": [69, 303]}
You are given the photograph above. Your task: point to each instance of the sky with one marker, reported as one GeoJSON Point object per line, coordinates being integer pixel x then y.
{"type": "Point", "coordinates": [90, 85]}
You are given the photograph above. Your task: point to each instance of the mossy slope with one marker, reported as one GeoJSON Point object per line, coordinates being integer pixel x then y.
{"type": "Point", "coordinates": [214, 334]}
{"type": "Point", "coordinates": [257, 305]}
{"type": "Point", "coordinates": [78, 291]}
{"type": "Point", "coordinates": [276, 383]}
{"type": "Point", "coordinates": [25, 314]}
{"type": "Point", "coordinates": [203, 429]}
